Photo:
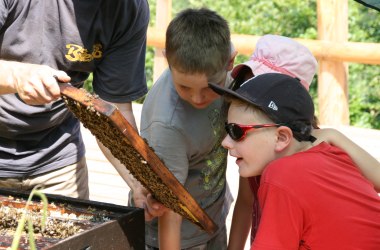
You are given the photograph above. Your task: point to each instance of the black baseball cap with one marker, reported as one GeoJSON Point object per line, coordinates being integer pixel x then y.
{"type": "Point", "coordinates": [281, 97]}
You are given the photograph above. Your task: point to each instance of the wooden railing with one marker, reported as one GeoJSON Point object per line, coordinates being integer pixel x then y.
{"type": "Point", "coordinates": [367, 53]}
{"type": "Point", "coordinates": [332, 49]}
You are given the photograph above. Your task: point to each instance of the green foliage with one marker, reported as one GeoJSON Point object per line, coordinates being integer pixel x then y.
{"type": "Point", "coordinates": [149, 66]}
{"type": "Point", "coordinates": [88, 84]}
{"type": "Point", "coordinates": [298, 19]}
{"type": "Point", "coordinates": [364, 80]}
{"type": "Point", "coordinates": [364, 96]}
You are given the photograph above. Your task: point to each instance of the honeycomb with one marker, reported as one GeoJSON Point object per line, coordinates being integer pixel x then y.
{"type": "Point", "coordinates": [99, 122]}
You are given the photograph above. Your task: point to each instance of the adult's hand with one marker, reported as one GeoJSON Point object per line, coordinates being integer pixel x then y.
{"type": "Point", "coordinates": [35, 84]}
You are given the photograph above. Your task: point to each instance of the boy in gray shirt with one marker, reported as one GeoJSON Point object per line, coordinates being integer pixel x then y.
{"type": "Point", "coordinates": [182, 119]}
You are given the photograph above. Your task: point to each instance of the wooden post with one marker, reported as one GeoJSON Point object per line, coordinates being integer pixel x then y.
{"type": "Point", "coordinates": [163, 17]}
{"type": "Point", "coordinates": [332, 77]}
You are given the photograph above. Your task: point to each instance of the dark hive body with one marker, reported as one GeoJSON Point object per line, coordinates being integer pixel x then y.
{"type": "Point", "coordinates": [70, 223]}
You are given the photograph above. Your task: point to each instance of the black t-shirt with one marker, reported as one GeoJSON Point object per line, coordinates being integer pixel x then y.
{"type": "Point", "coordinates": [106, 37]}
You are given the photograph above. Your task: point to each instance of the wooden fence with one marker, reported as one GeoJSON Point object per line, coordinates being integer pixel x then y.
{"type": "Point", "coordinates": [332, 49]}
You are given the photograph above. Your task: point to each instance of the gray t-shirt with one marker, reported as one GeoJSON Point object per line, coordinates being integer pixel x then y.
{"type": "Point", "coordinates": [188, 140]}
{"type": "Point", "coordinates": [105, 37]}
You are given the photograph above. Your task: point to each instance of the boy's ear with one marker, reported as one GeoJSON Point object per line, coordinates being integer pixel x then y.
{"type": "Point", "coordinates": [284, 137]}
{"type": "Point", "coordinates": [164, 52]}
{"type": "Point", "coordinates": [231, 62]}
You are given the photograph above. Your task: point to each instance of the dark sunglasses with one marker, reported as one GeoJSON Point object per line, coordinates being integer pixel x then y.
{"type": "Point", "coordinates": [237, 132]}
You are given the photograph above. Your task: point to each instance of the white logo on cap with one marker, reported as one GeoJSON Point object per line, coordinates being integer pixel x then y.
{"type": "Point", "coordinates": [273, 106]}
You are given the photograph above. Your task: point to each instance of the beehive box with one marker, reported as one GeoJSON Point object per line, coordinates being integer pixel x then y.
{"type": "Point", "coordinates": [73, 223]}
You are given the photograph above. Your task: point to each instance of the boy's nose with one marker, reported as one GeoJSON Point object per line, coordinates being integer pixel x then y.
{"type": "Point", "coordinates": [227, 142]}
{"type": "Point", "coordinates": [197, 98]}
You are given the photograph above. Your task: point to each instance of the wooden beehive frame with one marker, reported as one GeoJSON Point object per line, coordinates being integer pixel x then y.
{"type": "Point", "coordinates": [110, 127]}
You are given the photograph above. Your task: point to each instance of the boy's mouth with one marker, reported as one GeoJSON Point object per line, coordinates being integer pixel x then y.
{"type": "Point", "coordinates": [201, 105]}
{"type": "Point", "coordinates": [238, 159]}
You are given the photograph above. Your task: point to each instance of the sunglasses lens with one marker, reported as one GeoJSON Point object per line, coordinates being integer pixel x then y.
{"type": "Point", "coordinates": [234, 131]}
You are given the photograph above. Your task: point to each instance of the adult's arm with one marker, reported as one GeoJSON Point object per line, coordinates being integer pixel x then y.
{"type": "Point", "coordinates": [367, 164]}
{"type": "Point", "coordinates": [120, 77]}
{"type": "Point", "coordinates": [35, 84]}
{"type": "Point", "coordinates": [242, 216]}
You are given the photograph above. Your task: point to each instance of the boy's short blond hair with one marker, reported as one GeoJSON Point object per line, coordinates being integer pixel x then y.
{"type": "Point", "coordinates": [198, 41]}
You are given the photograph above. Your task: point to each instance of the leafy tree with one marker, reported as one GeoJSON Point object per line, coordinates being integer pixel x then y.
{"type": "Point", "coordinates": [298, 19]}
{"type": "Point", "coordinates": [364, 80]}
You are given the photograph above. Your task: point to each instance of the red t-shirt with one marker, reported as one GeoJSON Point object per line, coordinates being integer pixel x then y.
{"type": "Point", "coordinates": [254, 184]}
{"type": "Point", "coordinates": [317, 199]}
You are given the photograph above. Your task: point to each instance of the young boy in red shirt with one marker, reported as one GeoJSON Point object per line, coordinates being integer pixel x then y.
{"type": "Point", "coordinates": [311, 197]}
{"type": "Point", "coordinates": [279, 54]}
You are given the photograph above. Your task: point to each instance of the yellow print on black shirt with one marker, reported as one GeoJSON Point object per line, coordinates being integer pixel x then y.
{"type": "Point", "coordinates": [76, 53]}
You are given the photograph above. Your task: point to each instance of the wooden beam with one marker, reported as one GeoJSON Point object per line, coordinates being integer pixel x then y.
{"type": "Point", "coordinates": [163, 17]}
{"type": "Point", "coordinates": [332, 76]}
{"type": "Point", "coordinates": [355, 52]}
